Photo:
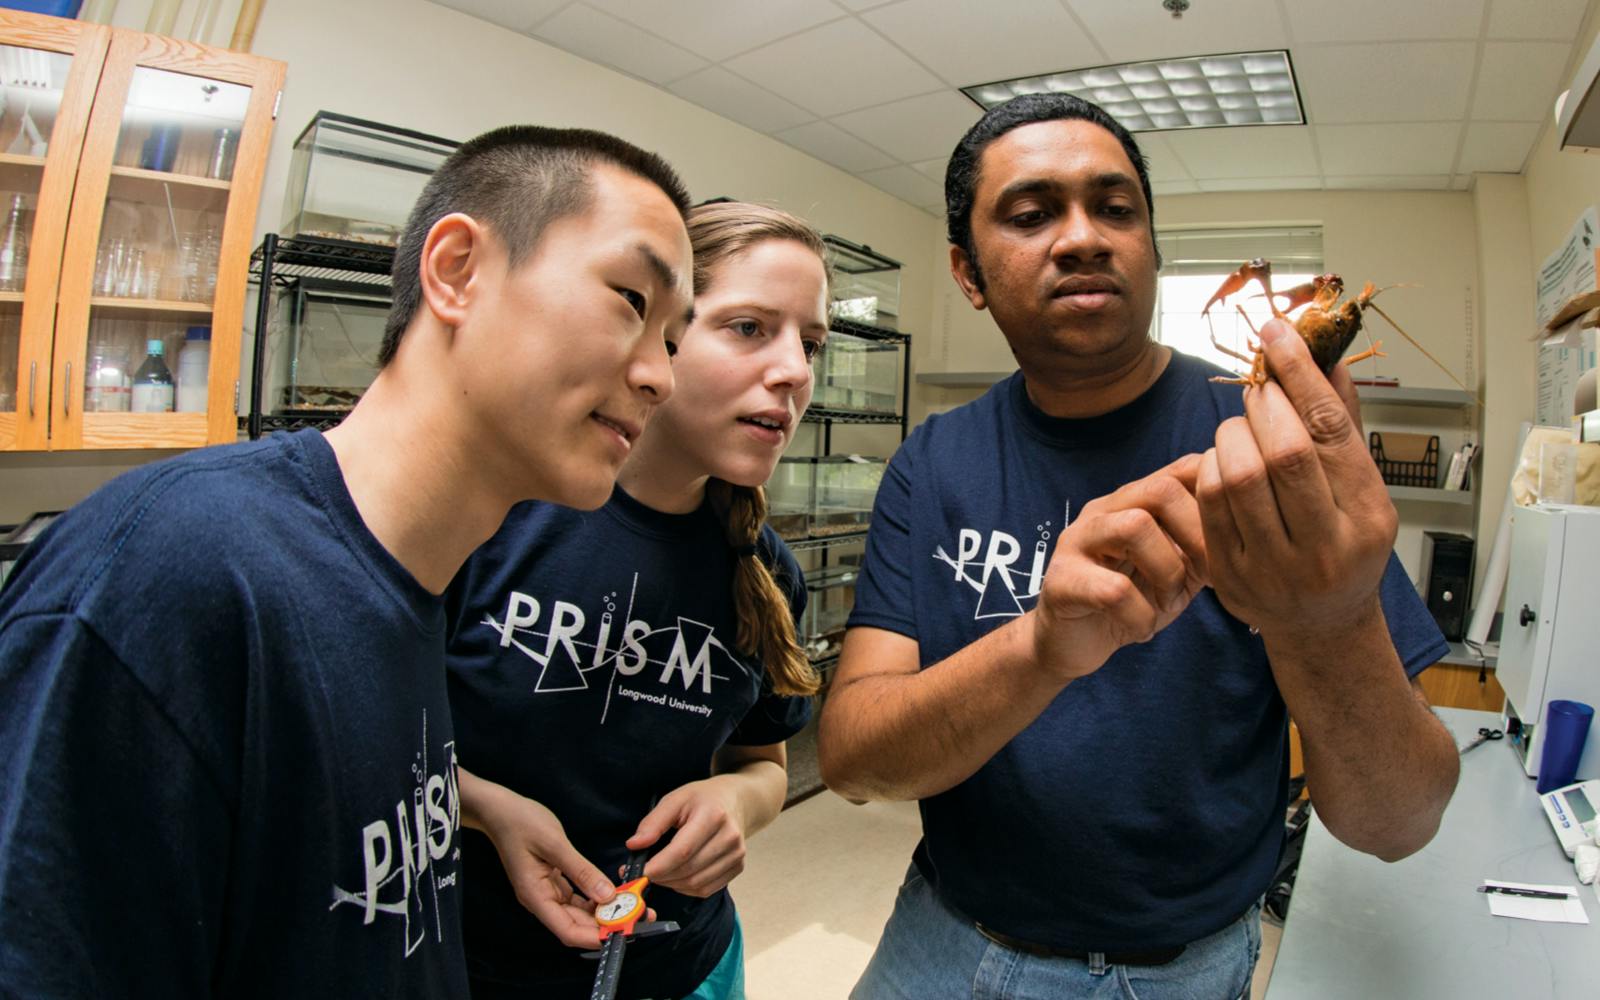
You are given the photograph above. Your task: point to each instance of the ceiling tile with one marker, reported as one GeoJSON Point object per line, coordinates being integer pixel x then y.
{"type": "Point", "coordinates": [1261, 184]}
{"type": "Point", "coordinates": [1130, 32]}
{"type": "Point", "coordinates": [1258, 151]}
{"type": "Point", "coordinates": [905, 184]}
{"type": "Point", "coordinates": [937, 211]}
{"type": "Point", "coordinates": [1387, 150]}
{"type": "Point", "coordinates": [518, 15]}
{"type": "Point", "coordinates": [969, 43]}
{"type": "Point", "coordinates": [717, 29]}
{"type": "Point", "coordinates": [599, 37]}
{"type": "Point", "coordinates": [1519, 81]}
{"type": "Point", "coordinates": [1415, 81]}
{"type": "Point", "coordinates": [732, 97]}
{"type": "Point", "coordinates": [1404, 182]}
{"type": "Point", "coordinates": [836, 68]}
{"type": "Point", "coordinates": [933, 169]}
{"type": "Point", "coordinates": [918, 128]}
{"type": "Point", "coordinates": [1315, 21]}
{"type": "Point", "coordinates": [1461, 182]}
{"type": "Point", "coordinates": [860, 5]}
{"type": "Point", "coordinates": [1497, 147]}
{"type": "Point", "coordinates": [1164, 164]}
{"type": "Point", "coordinates": [1557, 20]}
{"type": "Point", "coordinates": [829, 142]}
{"type": "Point", "coordinates": [1159, 188]}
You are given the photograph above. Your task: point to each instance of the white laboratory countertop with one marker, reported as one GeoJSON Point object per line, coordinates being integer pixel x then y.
{"type": "Point", "coordinates": [1362, 929]}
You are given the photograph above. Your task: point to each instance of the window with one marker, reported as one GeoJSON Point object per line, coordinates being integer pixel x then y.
{"type": "Point", "coordinates": [1196, 261]}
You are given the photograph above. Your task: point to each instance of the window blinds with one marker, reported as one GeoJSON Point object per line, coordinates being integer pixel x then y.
{"type": "Point", "coordinates": [1292, 250]}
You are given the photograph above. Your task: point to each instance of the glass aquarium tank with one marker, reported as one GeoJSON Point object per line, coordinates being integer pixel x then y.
{"type": "Point", "coordinates": [831, 592]}
{"type": "Point", "coordinates": [355, 181]}
{"type": "Point", "coordinates": [322, 347]}
{"type": "Point", "coordinates": [826, 495]}
{"type": "Point", "coordinates": [859, 375]}
{"type": "Point", "coordinates": [866, 284]}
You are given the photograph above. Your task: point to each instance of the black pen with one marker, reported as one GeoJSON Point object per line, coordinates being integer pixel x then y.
{"type": "Point", "coordinates": [1506, 890]}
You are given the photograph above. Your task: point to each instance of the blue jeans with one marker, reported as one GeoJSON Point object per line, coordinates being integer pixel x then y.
{"type": "Point", "coordinates": [931, 952]}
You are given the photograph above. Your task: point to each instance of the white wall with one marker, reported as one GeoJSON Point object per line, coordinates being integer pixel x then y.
{"type": "Point", "coordinates": [428, 68]}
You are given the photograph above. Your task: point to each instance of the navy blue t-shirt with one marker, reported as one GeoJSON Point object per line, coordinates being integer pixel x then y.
{"type": "Point", "coordinates": [1144, 807]}
{"type": "Point", "coordinates": [227, 761]}
{"type": "Point", "coordinates": [593, 669]}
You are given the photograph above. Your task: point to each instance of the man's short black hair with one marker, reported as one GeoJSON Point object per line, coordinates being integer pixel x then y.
{"type": "Point", "coordinates": [516, 181]}
{"type": "Point", "coordinates": [961, 176]}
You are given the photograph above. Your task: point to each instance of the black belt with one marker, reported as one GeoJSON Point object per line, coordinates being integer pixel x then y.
{"type": "Point", "coordinates": [1155, 956]}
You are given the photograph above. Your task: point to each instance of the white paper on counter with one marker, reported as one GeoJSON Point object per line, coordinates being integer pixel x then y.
{"type": "Point", "coordinates": [1554, 911]}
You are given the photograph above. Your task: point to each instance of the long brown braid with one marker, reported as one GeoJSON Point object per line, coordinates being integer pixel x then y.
{"type": "Point", "coordinates": [718, 233]}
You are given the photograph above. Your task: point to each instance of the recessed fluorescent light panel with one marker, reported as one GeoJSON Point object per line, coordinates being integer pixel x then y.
{"type": "Point", "coordinates": [1243, 88]}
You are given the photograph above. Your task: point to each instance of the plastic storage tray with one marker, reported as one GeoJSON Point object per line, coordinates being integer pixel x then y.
{"type": "Point", "coordinates": [355, 181]}
{"type": "Point", "coordinates": [1406, 459]}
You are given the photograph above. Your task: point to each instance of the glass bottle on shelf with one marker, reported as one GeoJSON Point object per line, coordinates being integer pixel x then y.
{"type": "Point", "coordinates": [106, 389]}
{"type": "Point", "coordinates": [152, 383]}
{"type": "Point", "coordinates": [14, 247]}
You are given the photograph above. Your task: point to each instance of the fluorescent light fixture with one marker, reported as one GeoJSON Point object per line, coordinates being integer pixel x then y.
{"type": "Point", "coordinates": [1239, 88]}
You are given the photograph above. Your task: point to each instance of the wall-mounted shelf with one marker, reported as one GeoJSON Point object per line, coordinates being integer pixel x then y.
{"type": "Point", "coordinates": [963, 380]}
{"type": "Point", "coordinates": [1382, 395]}
{"type": "Point", "coordinates": [1426, 494]}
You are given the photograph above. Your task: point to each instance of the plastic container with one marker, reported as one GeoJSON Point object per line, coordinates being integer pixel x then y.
{"type": "Point", "coordinates": [1566, 725]}
{"type": "Point", "coordinates": [194, 370]}
{"type": "Point", "coordinates": [152, 383]}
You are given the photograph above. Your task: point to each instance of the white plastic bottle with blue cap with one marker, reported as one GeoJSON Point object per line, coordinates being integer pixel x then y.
{"type": "Point", "coordinates": [194, 370]}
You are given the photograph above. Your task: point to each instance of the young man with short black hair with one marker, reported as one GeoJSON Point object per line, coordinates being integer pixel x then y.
{"type": "Point", "coordinates": [228, 767]}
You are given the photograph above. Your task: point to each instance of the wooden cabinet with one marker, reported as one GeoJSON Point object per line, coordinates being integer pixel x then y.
{"type": "Point", "coordinates": [136, 163]}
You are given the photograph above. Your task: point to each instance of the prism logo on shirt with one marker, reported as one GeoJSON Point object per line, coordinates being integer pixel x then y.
{"type": "Point", "coordinates": [568, 645]}
{"type": "Point", "coordinates": [1000, 570]}
{"type": "Point", "coordinates": [401, 854]}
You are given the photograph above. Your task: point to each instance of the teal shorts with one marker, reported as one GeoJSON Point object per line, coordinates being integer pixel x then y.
{"type": "Point", "coordinates": [726, 981]}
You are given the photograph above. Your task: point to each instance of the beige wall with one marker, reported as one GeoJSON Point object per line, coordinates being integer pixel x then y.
{"type": "Point", "coordinates": [428, 68]}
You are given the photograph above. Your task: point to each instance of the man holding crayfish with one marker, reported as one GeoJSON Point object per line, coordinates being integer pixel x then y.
{"type": "Point", "coordinates": [1091, 600]}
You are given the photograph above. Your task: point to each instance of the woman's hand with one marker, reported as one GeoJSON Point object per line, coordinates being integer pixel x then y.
{"type": "Point", "coordinates": [713, 818]}
{"type": "Point", "coordinates": [708, 849]}
{"type": "Point", "coordinates": [543, 866]}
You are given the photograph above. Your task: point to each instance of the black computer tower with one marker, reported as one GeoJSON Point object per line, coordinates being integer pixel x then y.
{"type": "Point", "coordinates": [1447, 580]}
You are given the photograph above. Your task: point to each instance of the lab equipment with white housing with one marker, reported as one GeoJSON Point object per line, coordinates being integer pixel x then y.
{"type": "Point", "coordinates": [1572, 810]}
{"type": "Point", "coordinates": [1550, 641]}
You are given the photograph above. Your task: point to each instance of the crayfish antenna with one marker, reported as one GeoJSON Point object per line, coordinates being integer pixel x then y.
{"type": "Point", "coordinates": [1374, 307]}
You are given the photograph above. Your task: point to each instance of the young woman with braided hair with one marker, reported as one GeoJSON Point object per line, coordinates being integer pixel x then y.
{"type": "Point", "coordinates": [623, 680]}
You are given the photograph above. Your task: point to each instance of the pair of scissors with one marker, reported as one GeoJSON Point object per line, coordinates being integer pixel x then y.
{"type": "Point", "coordinates": [1485, 734]}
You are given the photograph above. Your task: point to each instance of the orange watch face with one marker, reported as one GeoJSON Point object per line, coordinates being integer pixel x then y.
{"type": "Point", "coordinates": [623, 908]}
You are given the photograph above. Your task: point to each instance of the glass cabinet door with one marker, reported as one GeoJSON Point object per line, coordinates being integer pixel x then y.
{"type": "Point", "coordinates": [154, 273]}
{"type": "Point", "coordinates": [48, 70]}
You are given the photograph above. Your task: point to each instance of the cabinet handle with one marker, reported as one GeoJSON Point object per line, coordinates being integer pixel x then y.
{"type": "Point", "coordinates": [33, 378]}
{"type": "Point", "coordinates": [66, 402]}
{"type": "Point", "coordinates": [1526, 617]}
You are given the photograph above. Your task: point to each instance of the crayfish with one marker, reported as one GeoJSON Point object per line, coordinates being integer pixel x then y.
{"type": "Point", "coordinates": [1327, 326]}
